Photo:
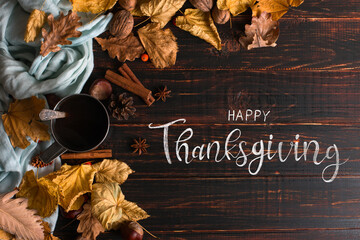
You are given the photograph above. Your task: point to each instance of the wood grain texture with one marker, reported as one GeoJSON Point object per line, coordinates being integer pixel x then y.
{"type": "Point", "coordinates": [309, 82]}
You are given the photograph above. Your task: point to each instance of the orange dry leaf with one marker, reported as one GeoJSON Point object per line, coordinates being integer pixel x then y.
{"type": "Point", "coordinates": [93, 6]}
{"type": "Point", "coordinates": [6, 236]}
{"type": "Point", "coordinates": [128, 48]}
{"type": "Point", "coordinates": [277, 8]}
{"type": "Point", "coordinates": [22, 120]}
{"type": "Point", "coordinates": [35, 22]}
{"type": "Point", "coordinates": [47, 232]}
{"type": "Point", "coordinates": [17, 219]}
{"type": "Point", "coordinates": [89, 226]}
{"type": "Point", "coordinates": [60, 30]}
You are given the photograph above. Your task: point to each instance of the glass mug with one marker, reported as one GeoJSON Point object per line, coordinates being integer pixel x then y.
{"type": "Point", "coordinates": [84, 128]}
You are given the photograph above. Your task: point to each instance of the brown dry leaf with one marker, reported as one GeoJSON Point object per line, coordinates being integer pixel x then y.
{"type": "Point", "coordinates": [128, 48]}
{"type": "Point", "coordinates": [109, 206]}
{"type": "Point", "coordinates": [263, 32]}
{"type": "Point", "coordinates": [112, 171]}
{"type": "Point", "coordinates": [200, 24]}
{"type": "Point", "coordinates": [35, 23]}
{"type": "Point", "coordinates": [61, 29]}
{"type": "Point", "coordinates": [6, 236]}
{"type": "Point", "coordinates": [160, 44]}
{"type": "Point", "coordinates": [137, 11]}
{"type": "Point", "coordinates": [17, 219]}
{"type": "Point", "coordinates": [161, 11]}
{"type": "Point", "coordinates": [94, 6]}
{"type": "Point", "coordinates": [22, 119]}
{"type": "Point", "coordinates": [47, 232]}
{"type": "Point", "coordinates": [42, 194]}
{"type": "Point", "coordinates": [277, 8]}
{"type": "Point", "coordinates": [89, 226]}
{"type": "Point", "coordinates": [73, 182]}
{"type": "Point", "coordinates": [235, 6]}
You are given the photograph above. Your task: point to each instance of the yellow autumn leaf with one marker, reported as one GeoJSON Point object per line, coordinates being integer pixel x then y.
{"type": "Point", "coordinates": [94, 6]}
{"type": "Point", "coordinates": [235, 6]}
{"type": "Point", "coordinates": [111, 171]}
{"type": "Point", "coordinates": [200, 24]}
{"type": "Point", "coordinates": [73, 182]}
{"type": "Point", "coordinates": [22, 119]}
{"type": "Point", "coordinates": [109, 206]}
{"type": "Point", "coordinates": [35, 22]}
{"type": "Point", "coordinates": [47, 232]}
{"type": "Point", "coordinates": [41, 193]}
{"type": "Point", "coordinates": [161, 11]}
{"type": "Point", "coordinates": [6, 236]}
{"type": "Point", "coordinates": [277, 8]}
{"type": "Point", "coordinates": [160, 44]}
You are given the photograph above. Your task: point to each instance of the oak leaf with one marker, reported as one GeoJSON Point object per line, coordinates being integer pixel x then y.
{"type": "Point", "coordinates": [161, 11]}
{"type": "Point", "coordinates": [94, 6]}
{"type": "Point", "coordinates": [73, 182]}
{"type": "Point", "coordinates": [124, 49]}
{"type": "Point", "coordinates": [160, 44]}
{"type": "Point", "coordinates": [200, 24]}
{"type": "Point", "coordinates": [277, 8]}
{"type": "Point", "coordinates": [112, 171]}
{"type": "Point", "coordinates": [17, 219]}
{"type": "Point", "coordinates": [263, 32]}
{"type": "Point", "coordinates": [22, 119]}
{"type": "Point", "coordinates": [35, 23]}
{"type": "Point", "coordinates": [89, 226]}
{"type": "Point", "coordinates": [109, 206]}
{"type": "Point", "coordinates": [235, 6]}
{"type": "Point", "coordinates": [42, 194]}
{"type": "Point", "coordinates": [61, 29]}
{"type": "Point", "coordinates": [6, 236]}
{"type": "Point", "coordinates": [47, 232]}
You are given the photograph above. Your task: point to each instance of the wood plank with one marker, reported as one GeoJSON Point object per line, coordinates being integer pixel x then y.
{"type": "Point", "coordinates": [205, 97]}
{"type": "Point", "coordinates": [330, 45]}
{"type": "Point", "coordinates": [245, 206]}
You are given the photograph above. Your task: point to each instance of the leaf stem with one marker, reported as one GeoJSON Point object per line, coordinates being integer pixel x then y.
{"type": "Point", "coordinates": [142, 22]}
{"type": "Point", "coordinates": [181, 12]}
{"type": "Point", "coordinates": [147, 231]}
{"type": "Point", "coordinates": [42, 5]}
{"type": "Point", "coordinates": [68, 224]}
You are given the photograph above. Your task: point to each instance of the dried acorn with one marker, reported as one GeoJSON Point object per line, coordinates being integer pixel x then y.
{"type": "Point", "coordinates": [127, 4]}
{"type": "Point", "coordinates": [220, 16]}
{"type": "Point", "coordinates": [203, 5]}
{"type": "Point", "coordinates": [122, 24]}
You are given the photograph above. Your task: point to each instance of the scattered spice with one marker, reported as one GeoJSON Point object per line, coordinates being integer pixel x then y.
{"type": "Point", "coordinates": [163, 94]}
{"type": "Point", "coordinates": [121, 107]}
{"type": "Point", "coordinates": [140, 146]}
{"type": "Point", "coordinates": [144, 57]}
{"type": "Point", "coordinates": [36, 162]}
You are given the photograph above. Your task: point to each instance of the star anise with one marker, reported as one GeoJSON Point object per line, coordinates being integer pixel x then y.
{"type": "Point", "coordinates": [163, 94]}
{"type": "Point", "coordinates": [140, 146]}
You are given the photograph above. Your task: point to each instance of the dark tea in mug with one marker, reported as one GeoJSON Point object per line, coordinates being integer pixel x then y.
{"type": "Point", "coordinates": [86, 124]}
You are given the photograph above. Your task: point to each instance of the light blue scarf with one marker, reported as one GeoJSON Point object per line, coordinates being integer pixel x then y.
{"type": "Point", "coordinates": [24, 73]}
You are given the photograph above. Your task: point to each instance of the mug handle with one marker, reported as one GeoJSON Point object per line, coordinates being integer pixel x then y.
{"type": "Point", "coordinates": [52, 152]}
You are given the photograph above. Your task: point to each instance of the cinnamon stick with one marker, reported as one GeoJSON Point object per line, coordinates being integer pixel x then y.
{"type": "Point", "coordinates": [131, 86]}
{"type": "Point", "coordinates": [127, 73]}
{"type": "Point", "coordinates": [104, 153]}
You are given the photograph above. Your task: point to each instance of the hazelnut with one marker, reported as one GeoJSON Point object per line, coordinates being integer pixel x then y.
{"type": "Point", "coordinates": [203, 5]}
{"type": "Point", "coordinates": [220, 16]}
{"type": "Point", "coordinates": [127, 4]}
{"type": "Point", "coordinates": [122, 24]}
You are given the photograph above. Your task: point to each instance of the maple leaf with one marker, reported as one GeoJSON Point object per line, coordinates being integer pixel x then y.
{"type": "Point", "coordinates": [200, 24]}
{"type": "Point", "coordinates": [22, 119]}
{"type": "Point", "coordinates": [73, 182]}
{"type": "Point", "coordinates": [47, 232]}
{"type": "Point", "coordinates": [263, 32]}
{"type": "Point", "coordinates": [109, 206]}
{"type": "Point", "coordinates": [17, 219]}
{"type": "Point", "coordinates": [112, 171]}
{"type": "Point", "coordinates": [160, 44]}
{"type": "Point", "coordinates": [160, 11]}
{"type": "Point", "coordinates": [235, 6]}
{"type": "Point", "coordinates": [61, 29]}
{"type": "Point", "coordinates": [35, 22]}
{"type": "Point", "coordinates": [89, 226]}
{"type": "Point", "coordinates": [42, 194]}
{"type": "Point", "coordinates": [94, 6]}
{"type": "Point", "coordinates": [6, 236]}
{"type": "Point", "coordinates": [124, 49]}
{"type": "Point", "coordinates": [277, 8]}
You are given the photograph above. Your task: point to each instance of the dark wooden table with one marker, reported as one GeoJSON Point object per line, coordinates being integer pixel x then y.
{"type": "Point", "coordinates": [310, 82]}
